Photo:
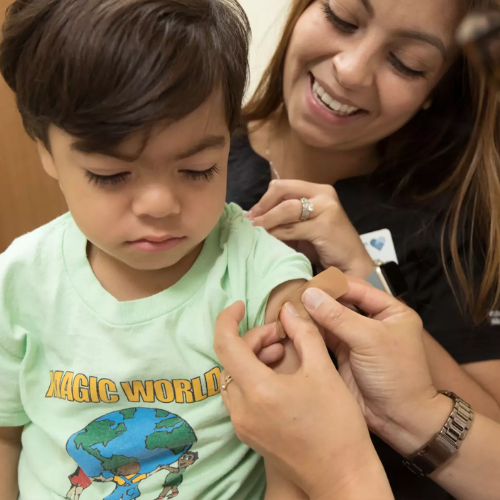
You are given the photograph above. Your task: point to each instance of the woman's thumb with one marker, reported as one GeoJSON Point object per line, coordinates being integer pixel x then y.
{"type": "Point", "coordinates": [306, 339]}
{"type": "Point", "coordinates": [345, 324]}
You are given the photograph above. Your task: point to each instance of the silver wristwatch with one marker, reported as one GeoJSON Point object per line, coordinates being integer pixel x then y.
{"type": "Point", "coordinates": [446, 443]}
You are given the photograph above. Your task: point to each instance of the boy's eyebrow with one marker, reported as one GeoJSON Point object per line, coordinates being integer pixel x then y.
{"type": "Point", "coordinates": [208, 142]}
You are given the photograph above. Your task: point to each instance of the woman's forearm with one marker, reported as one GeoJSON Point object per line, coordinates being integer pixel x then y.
{"type": "Point", "coordinates": [448, 375]}
{"type": "Point", "coordinates": [473, 471]}
{"type": "Point", "coordinates": [368, 482]}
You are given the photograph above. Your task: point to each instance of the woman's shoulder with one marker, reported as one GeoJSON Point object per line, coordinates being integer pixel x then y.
{"type": "Point", "coordinates": [248, 174]}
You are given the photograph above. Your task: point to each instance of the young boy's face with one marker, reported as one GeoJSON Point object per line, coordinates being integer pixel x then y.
{"type": "Point", "coordinates": [155, 210]}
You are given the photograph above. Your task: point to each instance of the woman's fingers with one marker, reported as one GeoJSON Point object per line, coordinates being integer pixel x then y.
{"type": "Point", "coordinates": [372, 301]}
{"type": "Point", "coordinates": [287, 212]}
{"type": "Point", "coordinates": [272, 354]}
{"type": "Point", "coordinates": [234, 353]}
{"type": "Point", "coordinates": [232, 393]}
{"type": "Point", "coordinates": [281, 190]}
{"type": "Point", "coordinates": [299, 231]}
{"type": "Point", "coordinates": [261, 337]}
{"type": "Point", "coordinates": [307, 340]}
{"type": "Point", "coordinates": [342, 322]}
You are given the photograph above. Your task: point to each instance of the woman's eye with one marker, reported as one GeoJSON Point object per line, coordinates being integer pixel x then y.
{"type": "Point", "coordinates": [106, 180]}
{"type": "Point", "coordinates": [402, 68]}
{"type": "Point", "coordinates": [336, 21]}
{"type": "Point", "coordinates": [205, 175]}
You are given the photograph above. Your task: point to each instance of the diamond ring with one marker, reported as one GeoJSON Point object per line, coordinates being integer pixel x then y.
{"type": "Point", "coordinates": [307, 209]}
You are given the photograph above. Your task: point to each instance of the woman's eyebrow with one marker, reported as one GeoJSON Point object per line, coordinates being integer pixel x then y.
{"type": "Point", "coordinates": [415, 34]}
{"type": "Point", "coordinates": [424, 37]}
{"type": "Point", "coordinates": [369, 7]}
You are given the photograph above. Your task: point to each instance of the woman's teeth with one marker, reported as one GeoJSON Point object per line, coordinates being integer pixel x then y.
{"type": "Point", "coordinates": [337, 107]}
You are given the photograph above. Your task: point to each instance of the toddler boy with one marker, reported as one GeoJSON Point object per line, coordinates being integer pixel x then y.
{"type": "Point", "coordinates": [107, 313]}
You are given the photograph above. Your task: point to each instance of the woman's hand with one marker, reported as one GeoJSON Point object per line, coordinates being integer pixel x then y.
{"type": "Point", "coordinates": [328, 237]}
{"type": "Point", "coordinates": [382, 360]}
{"type": "Point", "coordinates": [306, 423]}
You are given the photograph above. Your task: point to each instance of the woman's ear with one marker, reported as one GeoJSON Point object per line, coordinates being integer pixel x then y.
{"type": "Point", "coordinates": [47, 159]}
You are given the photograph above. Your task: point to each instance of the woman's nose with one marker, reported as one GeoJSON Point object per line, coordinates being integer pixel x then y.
{"type": "Point", "coordinates": [157, 201]}
{"type": "Point", "coordinates": [355, 67]}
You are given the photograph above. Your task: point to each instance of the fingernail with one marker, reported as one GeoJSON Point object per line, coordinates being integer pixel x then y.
{"type": "Point", "coordinates": [251, 214]}
{"type": "Point", "coordinates": [312, 298]}
{"type": "Point", "coordinates": [291, 309]}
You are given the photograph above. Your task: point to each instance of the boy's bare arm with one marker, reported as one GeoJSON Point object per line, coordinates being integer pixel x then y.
{"type": "Point", "coordinates": [10, 449]}
{"type": "Point", "coordinates": [278, 486]}
{"type": "Point", "coordinates": [290, 361]}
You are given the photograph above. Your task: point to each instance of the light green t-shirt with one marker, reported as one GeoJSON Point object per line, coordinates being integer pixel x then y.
{"type": "Point", "coordinates": [126, 393]}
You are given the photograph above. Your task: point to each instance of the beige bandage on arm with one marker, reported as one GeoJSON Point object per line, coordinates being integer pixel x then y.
{"type": "Point", "coordinates": [332, 281]}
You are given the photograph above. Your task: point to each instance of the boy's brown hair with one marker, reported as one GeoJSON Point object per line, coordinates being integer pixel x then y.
{"type": "Point", "coordinates": [102, 70]}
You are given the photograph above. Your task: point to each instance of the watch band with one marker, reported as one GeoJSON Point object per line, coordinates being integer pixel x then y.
{"type": "Point", "coordinates": [446, 443]}
{"type": "Point", "coordinates": [388, 278]}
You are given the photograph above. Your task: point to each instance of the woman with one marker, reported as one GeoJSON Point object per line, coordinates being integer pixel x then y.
{"type": "Point", "coordinates": [369, 111]}
{"type": "Point", "coordinates": [384, 379]}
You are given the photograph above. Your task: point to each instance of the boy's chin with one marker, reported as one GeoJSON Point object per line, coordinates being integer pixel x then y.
{"type": "Point", "coordinates": [152, 263]}
{"type": "Point", "coordinates": [162, 260]}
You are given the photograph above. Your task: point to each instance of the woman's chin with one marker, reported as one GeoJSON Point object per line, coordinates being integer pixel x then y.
{"type": "Point", "coordinates": [315, 138]}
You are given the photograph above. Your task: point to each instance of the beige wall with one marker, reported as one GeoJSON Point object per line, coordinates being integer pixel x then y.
{"type": "Point", "coordinates": [267, 18]}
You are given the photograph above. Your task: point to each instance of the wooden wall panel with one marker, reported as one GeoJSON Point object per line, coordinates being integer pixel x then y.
{"type": "Point", "coordinates": [29, 198]}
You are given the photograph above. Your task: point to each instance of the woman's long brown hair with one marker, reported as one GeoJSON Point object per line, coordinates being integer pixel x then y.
{"type": "Point", "coordinates": [451, 150]}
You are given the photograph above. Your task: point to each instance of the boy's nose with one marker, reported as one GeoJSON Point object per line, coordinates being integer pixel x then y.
{"type": "Point", "coordinates": [157, 202]}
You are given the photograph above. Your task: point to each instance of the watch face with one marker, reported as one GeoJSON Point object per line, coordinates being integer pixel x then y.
{"type": "Point", "coordinates": [394, 278]}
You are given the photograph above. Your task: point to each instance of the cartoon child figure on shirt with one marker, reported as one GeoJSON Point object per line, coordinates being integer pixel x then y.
{"type": "Point", "coordinates": [175, 478]}
{"type": "Point", "coordinates": [127, 479]}
{"type": "Point", "coordinates": [79, 481]}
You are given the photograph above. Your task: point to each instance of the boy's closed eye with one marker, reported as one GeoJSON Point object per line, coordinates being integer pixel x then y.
{"type": "Point", "coordinates": [120, 177]}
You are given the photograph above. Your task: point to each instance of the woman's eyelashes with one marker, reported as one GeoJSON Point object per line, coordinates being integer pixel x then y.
{"type": "Point", "coordinates": [347, 27]}
{"type": "Point", "coordinates": [405, 70]}
{"type": "Point", "coordinates": [337, 21]}
{"type": "Point", "coordinates": [115, 179]}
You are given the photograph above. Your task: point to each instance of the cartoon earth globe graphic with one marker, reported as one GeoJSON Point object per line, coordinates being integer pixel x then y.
{"type": "Point", "coordinates": [144, 438]}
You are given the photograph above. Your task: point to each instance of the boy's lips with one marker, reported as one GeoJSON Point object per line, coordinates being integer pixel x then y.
{"type": "Point", "coordinates": [156, 243]}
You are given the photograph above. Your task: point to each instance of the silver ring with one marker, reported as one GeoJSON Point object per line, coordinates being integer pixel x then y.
{"type": "Point", "coordinates": [227, 381]}
{"type": "Point", "coordinates": [307, 209]}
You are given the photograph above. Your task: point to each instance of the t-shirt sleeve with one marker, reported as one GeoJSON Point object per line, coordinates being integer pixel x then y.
{"type": "Point", "coordinates": [270, 263]}
{"type": "Point", "coordinates": [12, 350]}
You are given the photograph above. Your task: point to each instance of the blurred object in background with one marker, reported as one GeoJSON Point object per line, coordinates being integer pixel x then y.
{"type": "Point", "coordinates": [267, 18]}
{"type": "Point", "coordinates": [29, 198]}
{"type": "Point", "coordinates": [479, 34]}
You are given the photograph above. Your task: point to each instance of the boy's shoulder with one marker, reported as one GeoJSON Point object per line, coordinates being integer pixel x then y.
{"type": "Point", "coordinates": [36, 247]}
{"type": "Point", "coordinates": [243, 242]}
{"type": "Point", "coordinates": [236, 231]}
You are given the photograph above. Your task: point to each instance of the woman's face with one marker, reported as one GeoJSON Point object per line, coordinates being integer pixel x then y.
{"type": "Point", "coordinates": [358, 70]}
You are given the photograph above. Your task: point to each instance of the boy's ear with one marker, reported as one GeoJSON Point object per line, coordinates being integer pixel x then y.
{"type": "Point", "coordinates": [47, 159]}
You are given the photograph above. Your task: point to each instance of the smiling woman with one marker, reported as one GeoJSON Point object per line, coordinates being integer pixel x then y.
{"type": "Point", "coordinates": [369, 111]}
